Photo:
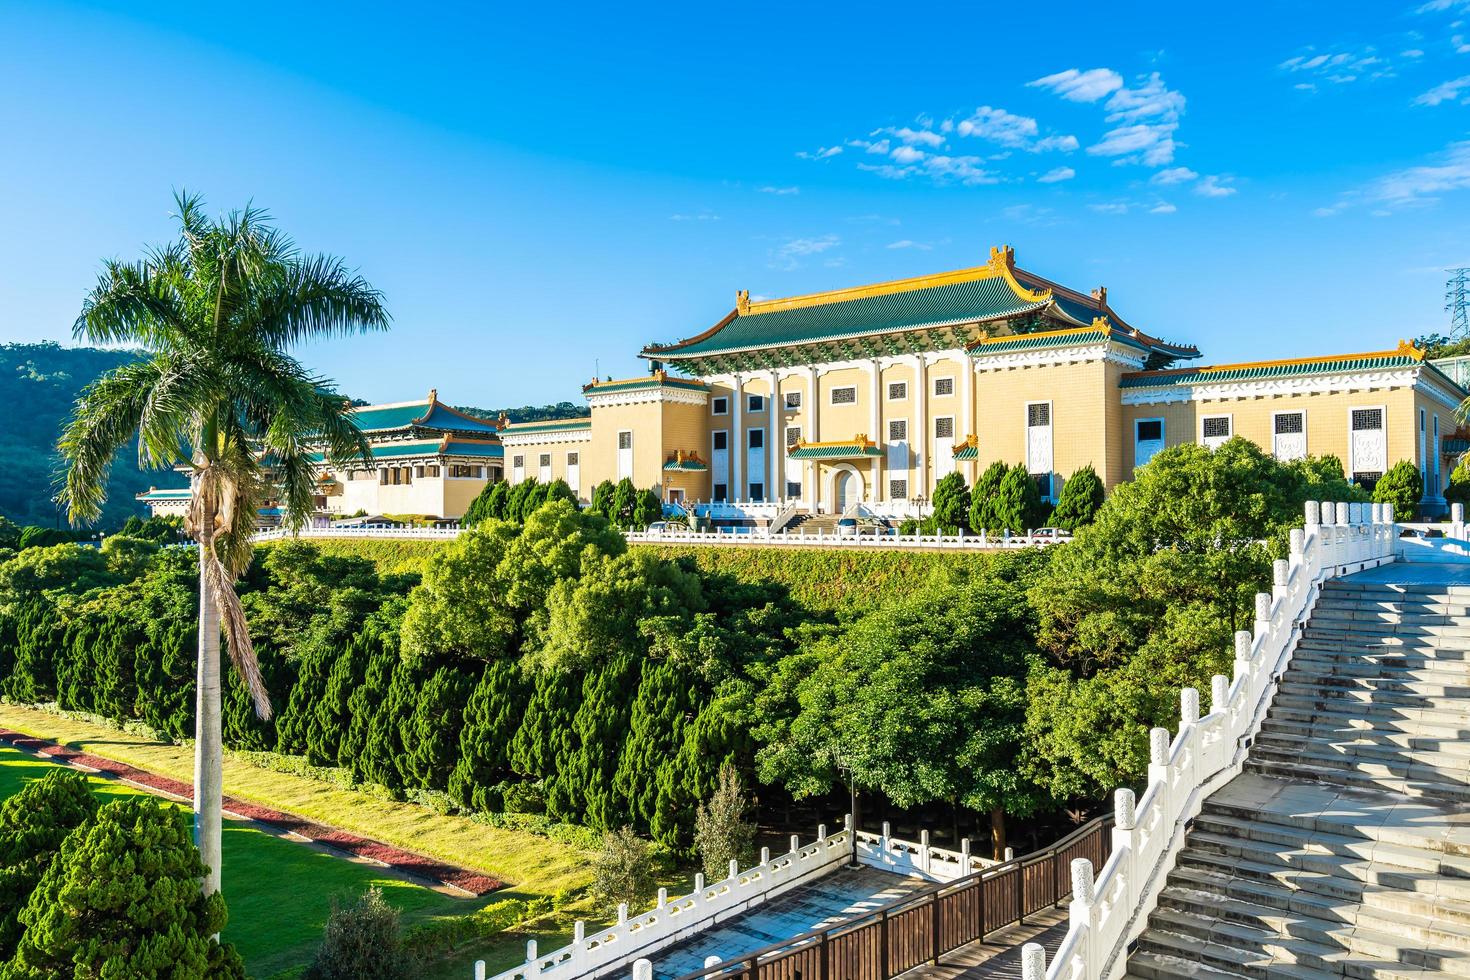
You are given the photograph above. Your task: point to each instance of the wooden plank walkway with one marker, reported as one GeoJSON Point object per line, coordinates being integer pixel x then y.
{"type": "Point", "coordinates": [999, 958]}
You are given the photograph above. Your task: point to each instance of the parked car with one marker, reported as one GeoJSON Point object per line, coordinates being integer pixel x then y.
{"type": "Point", "coordinates": [847, 527]}
{"type": "Point", "coordinates": [663, 527]}
{"type": "Point", "coordinates": [1050, 535]}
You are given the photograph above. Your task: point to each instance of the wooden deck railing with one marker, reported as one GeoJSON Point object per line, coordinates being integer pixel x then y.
{"type": "Point", "coordinates": [925, 925]}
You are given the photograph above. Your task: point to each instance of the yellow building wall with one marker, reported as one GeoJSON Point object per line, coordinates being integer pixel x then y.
{"type": "Point", "coordinates": [844, 421]}
{"type": "Point", "coordinates": [1078, 394]}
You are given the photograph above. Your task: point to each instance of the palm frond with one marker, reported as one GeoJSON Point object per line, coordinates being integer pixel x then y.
{"type": "Point", "coordinates": [107, 415]}
{"type": "Point", "coordinates": [319, 297]}
{"type": "Point", "coordinates": [133, 303]}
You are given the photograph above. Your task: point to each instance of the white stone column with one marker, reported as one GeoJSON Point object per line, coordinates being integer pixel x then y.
{"type": "Point", "coordinates": [737, 441]}
{"type": "Point", "coordinates": [810, 432]}
{"type": "Point", "coordinates": [970, 423]}
{"type": "Point", "coordinates": [776, 450]}
{"type": "Point", "coordinates": [920, 485]}
{"type": "Point", "coordinates": [875, 423]}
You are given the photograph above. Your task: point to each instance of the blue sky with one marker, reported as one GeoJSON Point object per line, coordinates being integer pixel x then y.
{"type": "Point", "coordinates": [541, 190]}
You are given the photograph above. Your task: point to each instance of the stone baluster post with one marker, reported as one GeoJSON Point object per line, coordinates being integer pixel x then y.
{"type": "Point", "coordinates": [1263, 613]}
{"type": "Point", "coordinates": [479, 970]}
{"type": "Point", "coordinates": [533, 962]}
{"type": "Point", "coordinates": [1242, 653]}
{"type": "Point", "coordinates": [765, 855]}
{"type": "Point", "coordinates": [734, 869]}
{"type": "Point", "coordinates": [1158, 769]}
{"type": "Point", "coordinates": [1083, 911]}
{"type": "Point", "coordinates": [1125, 841]}
{"type": "Point", "coordinates": [1033, 962]}
{"type": "Point", "coordinates": [1457, 526]}
{"type": "Point", "coordinates": [1280, 569]}
{"type": "Point", "coordinates": [1219, 694]}
{"type": "Point", "coordinates": [642, 970]}
{"type": "Point", "coordinates": [924, 851]}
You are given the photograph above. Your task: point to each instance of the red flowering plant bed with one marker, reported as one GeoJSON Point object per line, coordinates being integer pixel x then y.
{"type": "Point", "coordinates": [362, 847]}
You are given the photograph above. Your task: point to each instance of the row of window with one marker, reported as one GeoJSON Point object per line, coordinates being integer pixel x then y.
{"type": "Point", "coordinates": [396, 476]}
{"type": "Point", "coordinates": [898, 431]}
{"type": "Point", "coordinates": [843, 395]}
{"type": "Point", "coordinates": [544, 459]}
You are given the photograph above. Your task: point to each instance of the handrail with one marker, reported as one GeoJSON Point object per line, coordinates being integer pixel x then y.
{"type": "Point", "coordinates": [745, 963]}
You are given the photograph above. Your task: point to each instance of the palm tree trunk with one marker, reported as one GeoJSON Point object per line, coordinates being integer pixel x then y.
{"type": "Point", "coordinates": [208, 747]}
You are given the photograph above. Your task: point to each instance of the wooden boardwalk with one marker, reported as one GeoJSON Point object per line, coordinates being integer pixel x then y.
{"type": "Point", "coordinates": [999, 958]}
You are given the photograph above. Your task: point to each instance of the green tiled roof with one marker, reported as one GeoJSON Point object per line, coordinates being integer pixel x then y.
{"type": "Point", "coordinates": [552, 425]}
{"type": "Point", "coordinates": [1454, 445]}
{"type": "Point", "coordinates": [183, 494]}
{"type": "Point", "coordinates": [839, 450]}
{"type": "Point", "coordinates": [456, 447]}
{"type": "Point", "coordinates": [950, 303]}
{"type": "Point", "coordinates": [636, 384]}
{"type": "Point", "coordinates": [1253, 372]}
{"type": "Point", "coordinates": [693, 465]}
{"type": "Point", "coordinates": [427, 414]}
{"type": "Point", "coordinates": [1052, 338]}
{"type": "Point", "coordinates": [967, 452]}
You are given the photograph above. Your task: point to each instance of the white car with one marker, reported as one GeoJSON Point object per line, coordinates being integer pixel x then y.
{"type": "Point", "coordinates": [1050, 535]}
{"type": "Point", "coordinates": [660, 527]}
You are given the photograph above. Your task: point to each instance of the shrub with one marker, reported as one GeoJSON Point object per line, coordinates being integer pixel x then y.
{"type": "Point", "coordinates": [951, 504]}
{"type": "Point", "coordinates": [1401, 486]}
{"type": "Point", "coordinates": [122, 899]}
{"type": "Point", "coordinates": [647, 508]}
{"type": "Point", "coordinates": [984, 496]}
{"type": "Point", "coordinates": [1017, 506]}
{"type": "Point", "coordinates": [623, 872]}
{"type": "Point", "coordinates": [1458, 491]}
{"type": "Point", "coordinates": [1081, 499]}
{"type": "Point", "coordinates": [721, 831]}
{"type": "Point", "coordinates": [33, 823]}
{"type": "Point", "coordinates": [362, 940]}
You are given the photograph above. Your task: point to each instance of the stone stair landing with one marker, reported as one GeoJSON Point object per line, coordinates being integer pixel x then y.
{"type": "Point", "coordinates": [1343, 850]}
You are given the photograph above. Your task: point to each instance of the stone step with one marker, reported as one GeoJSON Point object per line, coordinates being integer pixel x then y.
{"type": "Point", "coordinates": [1388, 742]}
{"type": "Point", "coordinates": [1311, 918]}
{"type": "Point", "coordinates": [1361, 776]}
{"type": "Point", "coordinates": [1332, 602]}
{"type": "Point", "coordinates": [1419, 835]}
{"type": "Point", "coordinates": [1425, 918]}
{"type": "Point", "coordinates": [1340, 951]}
{"type": "Point", "coordinates": [1347, 616]}
{"type": "Point", "coordinates": [1453, 767]}
{"type": "Point", "coordinates": [1367, 700]}
{"type": "Point", "coordinates": [1373, 590]}
{"type": "Point", "coordinates": [1456, 690]}
{"type": "Point", "coordinates": [1149, 965]}
{"type": "Point", "coordinates": [1427, 720]}
{"type": "Point", "coordinates": [1382, 646]}
{"type": "Point", "coordinates": [1395, 665]}
{"type": "Point", "coordinates": [1439, 637]}
{"type": "Point", "coordinates": [1340, 877]}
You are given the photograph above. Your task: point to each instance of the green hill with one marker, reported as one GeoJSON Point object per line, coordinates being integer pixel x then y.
{"type": "Point", "coordinates": [38, 384]}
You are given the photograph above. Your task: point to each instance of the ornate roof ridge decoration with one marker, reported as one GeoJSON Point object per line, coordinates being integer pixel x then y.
{"type": "Point", "coordinates": [681, 459]}
{"type": "Point", "coordinates": [547, 425]}
{"type": "Point", "coordinates": [1098, 328]}
{"type": "Point", "coordinates": [969, 442]}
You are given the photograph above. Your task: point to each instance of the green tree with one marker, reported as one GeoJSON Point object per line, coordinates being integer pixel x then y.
{"type": "Point", "coordinates": [479, 508]}
{"type": "Point", "coordinates": [1458, 490]}
{"type": "Point", "coordinates": [655, 731]}
{"type": "Point", "coordinates": [602, 497]}
{"type": "Point", "coordinates": [1018, 506]}
{"type": "Point", "coordinates": [951, 504]}
{"type": "Point", "coordinates": [723, 830]}
{"type": "Point", "coordinates": [1081, 499]}
{"type": "Point", "coordinates": [558, 490]}
{"type": "Point", "coordinates": [516, 501]}
{"type": "Point", "coordinates": [923, 700]}
{"type": "Point", "coordinates": [490, 721]}
{"type": "Point", "coordinates": [362, 940]}
{"type": "Point", "coordinates": [624, 499]}
{"type": "Point", "coordinates": [214, 314]}
{"type": "Point", "coordinates": [584, 789]}
{"type": "Point", "coordinates": [623, 871]}
{"type": "Point", "coordinates": [122, 899]}
{"type": "Point", "coordinates": [984, 496]}
{"type": "Point", "coordinates": [431, 738]}
{"type": "Point", "coordinates": [33, 823]}
{"type": "Point", "coordinates": [647, 508]}
{"type": "Point", "coordinates": [1403, 487]}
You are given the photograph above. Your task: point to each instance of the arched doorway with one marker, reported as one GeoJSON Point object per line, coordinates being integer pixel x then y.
{"type": "Point", "coordinates": [846, 485]}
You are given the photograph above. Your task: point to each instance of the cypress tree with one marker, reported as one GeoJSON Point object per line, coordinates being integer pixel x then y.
{"type": "Point", "coordinates": [38, 639]}
{"type": "Point", "coordinates": [431, 739]}
{"type": "Point", "coordinates": [495, 503]}
{"type": "Point", "coordinates": [647, 508]}
{"type": "Point", "coordinates": [602, 496]}
{"type": "Point", "coordinates": [719, 735]}
{"type": "Point", "coordinates": [479, 508]}
{"type": "Point", "coordinates": [983, 498]}
{"type": "Point", "coordinates": [362, 706]}
{"type": "Point", "coordinates": [515, 501]}
{"type": "Point", "coordinates": [240, 726]}
{"type": "Point", "coordinates": [377, 760]}
{"type": "Point", "coordinates": [33, 823]}
{"type": "Point", "coordinates": [535, 497]}
{"type": "Point", "coordinates": [293, 724]}
{"type": "Point", "coordinates": [558, 490]}
{"type": "Point", "coordinates": [951, 503]}
{"type": "Point", "coordinates": [1080, 500]}
{"type": "Point", "coordinates": [122, 899]}
{"type": "Point", "coordinates": [545, 737]}
{"type": "Point", "coordinates": [585, 790]}
{"type": "Point", "coordinates": [491, 718]}
{"type": "Point", "coordinates": [76, 671]}
{"type": "Point", "coordinates": [332, 714]}
{"type": "Point", "coordinates": [1018, 505]}
{"type": "Point", "coordinates": [624, 497]}
{"type": "Point", "coordinates": [655, 729]}
{"type": "Point", "coordinates": [165, 667]}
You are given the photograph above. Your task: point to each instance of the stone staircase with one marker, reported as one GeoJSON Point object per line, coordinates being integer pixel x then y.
{"type": "Point", "coordinates": [1344, 848]}
{"type": "Point", "coordinates": [811, 524]}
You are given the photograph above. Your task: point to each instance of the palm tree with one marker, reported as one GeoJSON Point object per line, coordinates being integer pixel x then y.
{"type": "Point", "coordinates": [216, 392]}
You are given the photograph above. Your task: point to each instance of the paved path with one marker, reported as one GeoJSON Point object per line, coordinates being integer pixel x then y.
{"type": "Point", "coordinates": [826, 902]}
{"type": "Point", "coordinates": [999, 958]}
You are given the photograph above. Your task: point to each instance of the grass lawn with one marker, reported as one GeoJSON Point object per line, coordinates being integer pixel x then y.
{"type": "Point", "coordinates": [279, 892]}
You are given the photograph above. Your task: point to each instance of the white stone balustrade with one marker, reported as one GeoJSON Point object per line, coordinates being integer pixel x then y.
{"type": "Point", "coordinates": [1109, 909]}
{"type": "Point", "coordinates": [903, 857]}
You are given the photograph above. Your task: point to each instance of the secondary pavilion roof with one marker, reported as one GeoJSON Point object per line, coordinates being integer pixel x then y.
{"type": "Point", "coordinates": [429, 414]}
{"type": "Point", "coordinates": [934, 312]}
{"type": "Point", "coordinates": [445, 446]}
{"type": "Point", "coordinates": [1406, 355]}
{"type": "Point", "coordinates": [857, 447]}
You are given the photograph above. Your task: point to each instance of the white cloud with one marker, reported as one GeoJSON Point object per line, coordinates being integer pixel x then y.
{"type": "Point", "coordinates": [821, 153]}
{"type": "Point", "coordinates": [1173, 175]}
{"type": "Point", "coordinates": [1144, 116]}
{"type": "Point", "coordinates": [998, 126]}
{"type": "Point", "coordinates": [701, 216]}
{"type": "Point", "coordinates": [926, 137]}
{"type": "Point", "coordinates": [907, 154]}
{"type": "Point", "coordinates": [1064, 144]}
{"type": "Point", "coordinates": [780, 191]}
{"type": "Point", "coordinates": [907, 243]}
{"type": "Point", "coordinates": [1439, 5]}
{"type": "Point", "coordinates": [1342, 66]}
{"type": "Point", "coordinates": [940, 168]}
{"type": "Point", "coordinates": [1112, 207]}
{"type": "Point", "coordinates": [1057, 175]}
{"type": "Point", "coordinates": [1420, 185]}
{"type": "Point", "coordinates": [1411, 53]}
{"type": "Point", "coordinates": [1214, 185]}
{"type": "Point", "coordinates": [1075, 85]}
{"type": "Point", "coordinates": [1445, 91]}
{"type": "Point", "coordinates": [789, 254]}
{"type": "Point", "coordinates": [1163, 207]}
{"type": "Point", "coordinates": [1147, 143]}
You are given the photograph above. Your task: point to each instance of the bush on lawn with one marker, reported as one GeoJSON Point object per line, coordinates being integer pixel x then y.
{"type": "Point", "coordinates": [33, 823]}
{"type": "Point", "coordinates": [362, 940]}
